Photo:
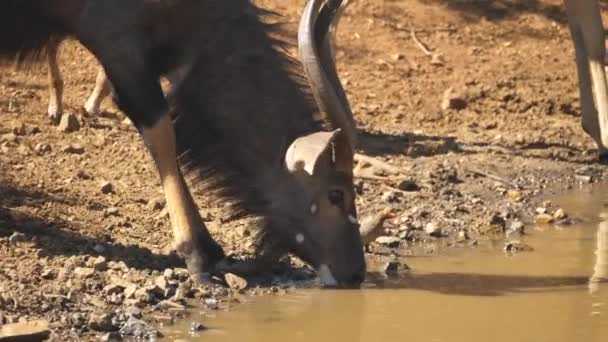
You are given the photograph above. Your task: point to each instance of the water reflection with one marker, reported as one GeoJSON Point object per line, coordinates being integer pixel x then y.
{"type": "Point", "coordinates": [600, 269]}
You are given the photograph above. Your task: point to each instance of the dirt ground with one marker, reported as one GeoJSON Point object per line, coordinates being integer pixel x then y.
{"type": "Point", "coordinates": [90, 261]}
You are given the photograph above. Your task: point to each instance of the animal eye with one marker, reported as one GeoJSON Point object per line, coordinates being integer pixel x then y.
{"type": "Point", "coordinates": [336, 197]}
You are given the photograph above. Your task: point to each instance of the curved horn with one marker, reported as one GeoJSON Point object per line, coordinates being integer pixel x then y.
{"type": "Point", "coordinates": [315, 39]}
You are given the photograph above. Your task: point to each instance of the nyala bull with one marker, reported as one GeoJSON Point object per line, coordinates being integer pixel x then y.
{"type": "Point", "coordinates": [240, 117]}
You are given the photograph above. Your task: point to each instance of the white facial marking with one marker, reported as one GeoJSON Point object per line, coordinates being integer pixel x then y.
{"type": "Point", "coordinates": [299, 238]}
{"type": "Point", "coordinates": [352, 219]}
{"type": "Point", "coordinates": [313, 208]}
{"type": "Point", "coordinates": [325, 276]}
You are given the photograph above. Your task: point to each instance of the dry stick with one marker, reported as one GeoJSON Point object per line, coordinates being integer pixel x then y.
{"type": "Point", "coordinates": [492, 177]}
{"type": "Point", "coordinates": [421, 44]}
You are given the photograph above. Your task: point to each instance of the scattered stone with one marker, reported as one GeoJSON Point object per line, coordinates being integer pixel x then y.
{"type": "Point", "coordinates": [100, 264]}
{"type": "Point", "coordinates": [42, 148]}
{"type": "Point", "coordinates": [517, 246]}
{"type": "Point", "coordinates": [106, 187]}
{"type": "Point", "coordinates": [211, 303]}
{"type": "Point", "coordinates": [101, 322]}
{"type": "Point", "coordinates": [9, 137]}
{"type": "Point", "coordinates": [25, 331]}
{"type": "Point", "coordinates": [73, 149]}
{"type": "Point", "coordinates": [19, 129]}
{"type": "Point", "coordinates": [168, 273]}
{"type": "Point", "coordinates": [408, 185]}
{"type": "Point", "coordinates": [156, 203]}
{"type": "Point", "coordinates": [451, 100]}
{"type": "Point", "coordinates": [112, 211]}
{"type": "Point", "coordinates": [68, 123]}
{"type": "Point", "coordinates": [47, 274]}
{"type": "Point", "coordinates": [547, 204]}
{"type": "Point", "coordinates": [541, 210]}
{"type": "Point", "coordinates": [515, 195]}
{"type": "Point", "coordinates": [111, 336]}
{"type": "Point", "coordinates": [583, 178]}
{"type": "Point", "coordinates": [99, 248]}
{"type": "Point", "coordinates": [389, 241]}
{"type": "Point", "coordinates": [559, 214]}
{"type": "Point", "coordinates": [133, 311]}
{"type": "Point", "coordinates": [84, 272]}
{"type": "Point", "coordinates": [130, 291]}
{"type": "Point", "coordinates": [462, 235]}
{"type": "Point", "coordinates": [235, 282]}
{"type": "Point", "coordinates": [515, 227]}
{"type": "Point", "coordinates": [391, 268]}
{"type": "Point", "coordinates": [139, 329]}
{"type": "Point", "coordinates": [543, 218]}
{"type": "Point", "coordinates": [432, 229]}
{"type": "Point", "coordinates": [17, 237]}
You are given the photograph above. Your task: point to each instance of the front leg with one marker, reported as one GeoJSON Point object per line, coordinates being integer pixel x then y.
{"type": "Point", "coordinates": [139, 94]}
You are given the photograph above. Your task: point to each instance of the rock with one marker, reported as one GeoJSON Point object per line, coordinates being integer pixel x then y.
{"type": "Point", "coordinates": [408, 185]}
{"type": "Point", "coordinates": [196, 326]}
{"type": "Point", "coordinates": [451, 100]}
{"type": "Point", "coordinates": [133, 311]}
{"type": "Point", "coordinates": [211, 303]}
{"type": "Point", "coordinates": [391, 268]}
{"type": "Point", "coordinates": [110, 337]}
{"type": "Point", "coordinates": [101, 322]}
{"type": "Point", "coordinates": [547, 204]}
{"type": "Point", "coordinates": [515, 195]}
{"type": "Point", "coordinates": [73, 149]}
{"type": "Point", "coordinates": [168, 273]}
{"type": "Point", "coordinates": [19, 129]}
{"type": "Point", "coordinates": [432, 229]}
{"type": "Point", "coordinates": [106, 187]}
{"type": "Point", "coordinates": [515, 227]}
{"type": "Point", "coordinates": [462, 236]}
{"type": "Point", "coordinates": [84, 272]}
{"type": "Point", "coordinates": [389, 241]}
{"type": "Point", "coordinates": [68, 123]}
{"type": "Point", "coordinates": [583, 178]}
{"type": "Point", "coordinates": [541, 210]}
{"type": "Point", "coordinates": [100, 264]}
{"type": "Point", "coordinates": [543, 218]}
{"type": "Point", "coordinates": [139, 329]}
{"type": "Point", "coordinates": [25, 331]}
{"type": "Point", "coordinates": [113, 288]}
{"type": "Point", "coordinates": [42, 148]}
{"type": "Point", "coordinates": [9, 137]}
{"type": "Point", "coordinates": [130, 291]}
{"type": "Point", "coordinates": [156, 203]}
{"type": "Point", "coordinates": [119, 266]}
{"type": "Point", "coordinates": [390, 196]}
{"type": "Point", "coordinates": [111, 211]}
{"type": "Point", "coordinates": [235, 282]}
{"type": "Point", "coordinates": [99, 248]}
{"type": "Point", "coordinates": [559, 214]}
{"type": "Point", "coordinates": [517, 246]}
{"type": "Point", "coordinates": [181, 274]}
{"type": "Point", "coordinates": [17, 237]}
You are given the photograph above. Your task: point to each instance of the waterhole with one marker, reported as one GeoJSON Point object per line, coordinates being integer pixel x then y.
{"type": "Point", "coordinates": [557, 292]}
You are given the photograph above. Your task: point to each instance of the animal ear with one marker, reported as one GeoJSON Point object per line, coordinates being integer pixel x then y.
{"type": "Point", "coordinates": [306, 151]}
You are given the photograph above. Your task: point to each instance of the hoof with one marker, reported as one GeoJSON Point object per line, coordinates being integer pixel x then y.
{"type": "Point", "coordinates": [54, 117]}
{"type": "Point", "coordinates": [201, 261]}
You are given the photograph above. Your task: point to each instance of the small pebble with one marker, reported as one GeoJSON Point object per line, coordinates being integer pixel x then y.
{"type": "Point", "coordinates": [106, 187]}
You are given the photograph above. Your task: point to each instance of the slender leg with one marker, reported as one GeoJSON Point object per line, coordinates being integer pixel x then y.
{"type": "Point", "coordinates": [139, 95]}
{"type": "Point", "coordinates": [101, 91]}
{"type": "Point", "coordinates": [600, 269]}
{"type": "Point", "coordinates": [55, 83]}
{"type": "Point", "coordinates": [587, 33]}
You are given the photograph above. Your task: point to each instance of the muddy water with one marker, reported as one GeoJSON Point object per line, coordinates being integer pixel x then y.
{"type": "Point", "coordinates": [461, 295]}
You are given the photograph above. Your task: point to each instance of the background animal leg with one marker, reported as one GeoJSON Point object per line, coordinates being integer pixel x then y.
{"type": "Point", "coordinates": [55, 83]}
{"type": "Point", "coordinates": [101, 91]}
{"type": "Point", "coordinates": [588, 36]}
